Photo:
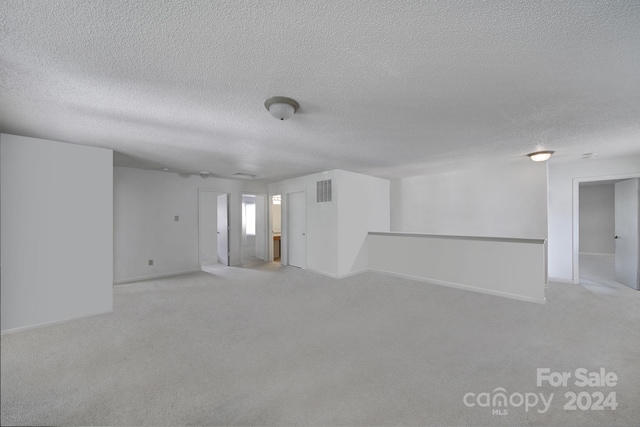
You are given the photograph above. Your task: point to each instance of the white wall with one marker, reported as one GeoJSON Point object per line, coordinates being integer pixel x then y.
{"type": "Point", "coordinates": [57, 231]}
{"type": "Point", "coordinates": [507, 200]}
{"type": "Point", "coordinates": [337, 230]}
{"type": "Point", "coordinates": [363, 206]}
{"type": "Point", "coordinates": [597, 219]}
{"type": "Point", "coordinates": [145, 203]}
{"type": "Point", "coordinates": [322, 223]}
{"type": "Point", "coordinates": [512, 268]}
{"type": "Point", "coordinates": [561, 227]}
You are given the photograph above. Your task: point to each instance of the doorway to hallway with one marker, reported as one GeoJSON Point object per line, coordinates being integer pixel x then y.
{"type": "Point", "coordinates": [213, 229]}
{"type": "Point", "coordinates": [254, 228]}
{"type": "Point", "coordinates": [276, 227]}
{"type": "Point", "coordinates": [608, 238]}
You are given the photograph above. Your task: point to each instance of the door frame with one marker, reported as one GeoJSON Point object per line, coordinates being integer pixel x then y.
{"type": "Point", "coordinates": [576, 215]}
{"type": "Point", "coordinates": [217, 193]}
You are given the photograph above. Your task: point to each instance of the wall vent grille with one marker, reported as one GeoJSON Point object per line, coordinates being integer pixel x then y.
{"type": "Point", "coordinates": [323, 191]}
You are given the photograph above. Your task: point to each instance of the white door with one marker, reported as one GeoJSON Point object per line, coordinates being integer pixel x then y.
{"type": "Point", "coordinates": [208, 226]}
{"type": "Point", "coordinates": [223, 229]}
{"type": "Point", "coordinates": [297, 229]}
{"type": "Point", "coordinates": [626, 216]}
{"type": "Point", "coordinates": [261, 227]}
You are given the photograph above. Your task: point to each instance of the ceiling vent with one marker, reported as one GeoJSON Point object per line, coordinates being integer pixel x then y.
{"type": "Point", "coordinates": [323, 191]}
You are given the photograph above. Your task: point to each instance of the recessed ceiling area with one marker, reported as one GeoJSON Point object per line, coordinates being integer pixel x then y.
{"type": "Point", "coordinates": [391, 89]}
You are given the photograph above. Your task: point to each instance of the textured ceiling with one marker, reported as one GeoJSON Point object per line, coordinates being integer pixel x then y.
{"type": "Point", "coordinates": [389, 88]}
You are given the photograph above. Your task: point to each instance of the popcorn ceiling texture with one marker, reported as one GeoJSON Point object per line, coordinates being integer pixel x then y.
{"type": "Point", "coordinates": [394, 88]}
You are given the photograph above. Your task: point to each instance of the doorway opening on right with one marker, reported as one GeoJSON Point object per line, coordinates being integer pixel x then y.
{"type": "Point", "coordinates": [609, 236]}
{"type": "Point", "coordinates": [276, 226]}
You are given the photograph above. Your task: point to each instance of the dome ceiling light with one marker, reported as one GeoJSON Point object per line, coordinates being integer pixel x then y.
{"type": "Point", "coordinates": [540, 156]}
{"type": "Point", "coordinates": [281, 107]}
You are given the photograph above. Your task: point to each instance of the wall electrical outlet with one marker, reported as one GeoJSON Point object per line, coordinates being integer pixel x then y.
{"type": "Point", "coordinates": [150, 262]}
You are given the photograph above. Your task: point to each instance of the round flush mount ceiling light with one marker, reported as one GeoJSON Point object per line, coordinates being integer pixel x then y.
{"type": "Point", "coordinates": [281, 107]}
{"type": "Point", "coordinates": [540, 156]}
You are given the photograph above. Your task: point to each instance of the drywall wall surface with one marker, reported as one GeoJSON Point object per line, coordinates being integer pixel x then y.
{"type": "Point", "coordinates": [561, 177]}
{"type": "Point", "coordinates": [597, 219]}
{"type": "Point", "coordinates": [507, 200]}
{"type": "Point", "coordinates": [363, 206]}
{"type": "Point", "coordinates": [57, 231]}
{"type": "Point", "coordinates": [513, 268]}
{"type": "Point", "coordinates": [322, 222]}
{"type": "Point", "coordinates": [145, 206]}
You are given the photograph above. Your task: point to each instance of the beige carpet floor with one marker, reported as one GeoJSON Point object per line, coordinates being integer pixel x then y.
{"type": "Point", "coordinates": [272, 345]}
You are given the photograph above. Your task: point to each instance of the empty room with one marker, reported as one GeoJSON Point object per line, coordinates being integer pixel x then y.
{"type": "Point", "coordinates": [320, 213]}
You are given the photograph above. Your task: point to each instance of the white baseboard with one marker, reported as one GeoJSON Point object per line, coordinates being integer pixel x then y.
{"type": "Point", "coordinates": [353, 273]}
{"type": "Point", "coordinates": [560, 280]}
{"type": "Point", "coordinates": [154, 276]}
{"type": "Point", "coordinates": [55, 322]}
{"type": "Point", "coordinates": [461, 286]}
{"type": "Point", "coordinates": [323, 273]}
{"type": "Point", "coordinates": [336, 276]}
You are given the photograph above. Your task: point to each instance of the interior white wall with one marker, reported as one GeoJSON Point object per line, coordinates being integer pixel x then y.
{"type": "Point", "coordinates": [508, 200]}
{"type": "Point", "coordinates": [597, 219]}
{"type": "Point", "coordinates": [561, 227]}
{"type": "Point", "coordinates": [363, 205]}
{"type": "Point", "coordinates": [322, 223]}
{"type": "Point", "coordinates": [145, 203]}
{"type": "Point", "coordinates": [512, 268]}
{"type": "Point", "coordinates": [57, 231]}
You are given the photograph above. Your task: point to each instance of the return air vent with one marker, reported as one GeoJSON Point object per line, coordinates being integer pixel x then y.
{"type": "Point", "coordinates": [323, 191]}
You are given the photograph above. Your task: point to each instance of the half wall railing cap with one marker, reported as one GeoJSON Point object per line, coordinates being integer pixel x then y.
{"type": "Point", "coordinates": [459, 237]}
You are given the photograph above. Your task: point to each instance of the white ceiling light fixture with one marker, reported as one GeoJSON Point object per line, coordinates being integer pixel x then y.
{"type": "Point", "coordinates": [281, 107]}
{"type": "Point", "coordinates": [541, 156]}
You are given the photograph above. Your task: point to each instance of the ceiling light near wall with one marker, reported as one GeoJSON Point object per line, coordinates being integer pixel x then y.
{"type": "Point", "coordinates": [540, 156]}
{"type": "Point", "coordinates": [281, 107]}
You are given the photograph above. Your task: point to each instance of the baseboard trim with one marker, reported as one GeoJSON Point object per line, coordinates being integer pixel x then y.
{"type": "Point", "coordinates": [154, 276]}
{"type": "Point", "coordinates": [55, 322]}
{"type": "Point", "coordinates": [461, 286]}
{"type": "Point", "coordinates": [323, 273]}
{"type": "Point", "coordinates": [336, 276]}
{"type": "Point", "coordinates": [353, 273]}
{"type": "Point", "coordinates": [560, 280]}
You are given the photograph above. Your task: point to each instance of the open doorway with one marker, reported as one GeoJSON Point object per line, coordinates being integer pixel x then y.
{"type": "Point", "coordinates": [608, 235]}
{"type": "Point", "coordinates": [276, 227]}
{"type": "Point", "coordinates": [213, 229]}
{"type": "Point", "coordinates": [254, 228]}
